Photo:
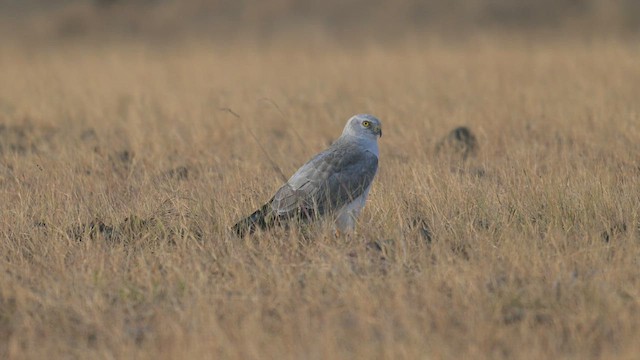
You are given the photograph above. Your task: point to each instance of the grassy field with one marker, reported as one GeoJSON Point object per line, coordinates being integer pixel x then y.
{"type": "Point", "coordinates": [122, 168]}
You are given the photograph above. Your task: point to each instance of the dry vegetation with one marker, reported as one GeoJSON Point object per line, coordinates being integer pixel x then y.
{"type": "Point", "coordinates": [340, 20]}
{"type": "Point", "coordinates": [121, 171]}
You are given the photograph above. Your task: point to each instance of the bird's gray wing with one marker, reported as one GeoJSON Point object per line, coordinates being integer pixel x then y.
{"type": "Point", "coordinates": [330, 180]}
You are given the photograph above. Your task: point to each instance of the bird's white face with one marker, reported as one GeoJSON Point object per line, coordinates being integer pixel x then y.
{"type": "Point", "coordinates": [364, 125]}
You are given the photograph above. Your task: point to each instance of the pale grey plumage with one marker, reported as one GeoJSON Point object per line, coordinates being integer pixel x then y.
{"type": "Point", "coordinates": [336, 181]}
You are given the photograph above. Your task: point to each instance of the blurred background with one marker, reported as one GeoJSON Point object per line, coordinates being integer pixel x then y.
{"type": "Point", "coordinates": [341, 21]}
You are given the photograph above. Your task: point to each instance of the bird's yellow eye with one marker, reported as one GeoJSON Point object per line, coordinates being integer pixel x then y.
{"type": "Point", "coordinates": [366, 123]}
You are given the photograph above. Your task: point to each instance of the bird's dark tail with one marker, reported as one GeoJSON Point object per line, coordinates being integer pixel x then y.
{"type": "Point", "coordinates": [260, 218]}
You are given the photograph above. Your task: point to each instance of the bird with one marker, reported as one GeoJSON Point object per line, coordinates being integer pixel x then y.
{"type": "Point", "coordinates": [335, 182]}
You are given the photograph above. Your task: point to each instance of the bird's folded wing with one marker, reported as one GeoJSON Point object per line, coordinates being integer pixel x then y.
{"type": "Point", "coordinates": [327, 182]}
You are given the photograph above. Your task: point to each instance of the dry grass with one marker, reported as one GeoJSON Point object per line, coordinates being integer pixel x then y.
{"type": "Point", "coordinates": [338, 20]}
{"type": "Point", "coordinates": [120, 175]}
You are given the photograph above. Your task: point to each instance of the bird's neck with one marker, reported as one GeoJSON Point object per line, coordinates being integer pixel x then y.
{"type": "Point", "coordinates": [367, 143]}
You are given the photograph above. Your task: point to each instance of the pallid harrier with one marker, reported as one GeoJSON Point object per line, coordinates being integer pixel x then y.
{"type": "Point", "coordinates": [335, 182]}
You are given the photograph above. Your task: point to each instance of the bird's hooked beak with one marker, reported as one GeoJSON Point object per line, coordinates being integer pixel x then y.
{"type": "Point", "coordinates": [378, 131]}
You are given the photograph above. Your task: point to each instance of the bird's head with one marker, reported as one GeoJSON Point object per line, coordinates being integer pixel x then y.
{"type": "Point", "coordinates": [363, 125]}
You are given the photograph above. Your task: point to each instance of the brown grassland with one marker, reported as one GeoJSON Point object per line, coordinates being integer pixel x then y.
{"type": "Point", "coordinates": [123, 166]}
